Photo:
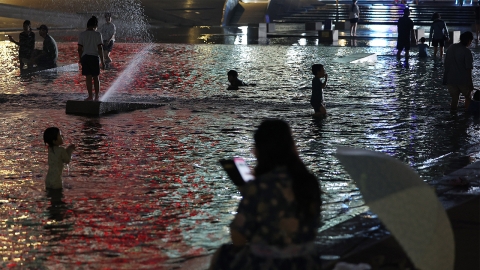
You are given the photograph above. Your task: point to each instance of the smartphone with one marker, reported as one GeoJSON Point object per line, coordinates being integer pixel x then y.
{"type": "Point", "coordinates": [238, 170]}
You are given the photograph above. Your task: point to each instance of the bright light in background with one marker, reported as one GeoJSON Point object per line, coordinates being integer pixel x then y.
{"type": "Point", "coordinates": [241, 38]}
{"type": "Point", "coordinates": [378, 42]}
{"type": "Point", "coordinates": [302, 41]}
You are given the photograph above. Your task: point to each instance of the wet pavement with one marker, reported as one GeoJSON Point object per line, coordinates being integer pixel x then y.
{"type": "Point", "coordinates": [145, 187]}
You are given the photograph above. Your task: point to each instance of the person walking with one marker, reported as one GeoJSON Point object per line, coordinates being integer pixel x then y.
{"type": "Point", "coordinates": [404, 29]}
{"type": "Point", "coordinates": [458, 70]}
{"type": "Point", "coordinates": [439, 33]}
{"type": "Point", "coordinates": [26, 43]}
{"type": "Point", "coordinates": [354, 16]}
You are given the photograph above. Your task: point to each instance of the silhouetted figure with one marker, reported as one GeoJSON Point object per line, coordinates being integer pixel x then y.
{"type": "Point", "coordinates": [47, 57]}
{"type": "Point", "coordinates": [404, 29]}
{"type": "Point", "coordinates": [438, 34]}
{"type": "Point", "coordinates": [26, 44]}
{"type": "Point", "coordinates": [316, 100]}
{"type": "Point", "coordinates": [422, 48]}
{"type": "Point", "coordinates": [458, 70]}
{"type": "Point", "coordinates": [234, 81]}
{"type": "Point", "coordinates": [277, 220]}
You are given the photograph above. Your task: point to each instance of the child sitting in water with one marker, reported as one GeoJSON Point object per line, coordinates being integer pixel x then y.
{"type": "Point", "coordinates": [422, 48]}
{"type": "Point", "coordinates": [474, 107]}
{"type": "Point", "coordinates": [317, 100]}
{"type": "Point", "coordinates": [234, 81]}
{"type": "Point", "coordinates": [57, 156]}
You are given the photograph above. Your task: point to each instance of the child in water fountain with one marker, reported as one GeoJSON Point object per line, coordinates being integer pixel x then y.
{"type": "Point", "coordinates": [90, 48]}
{"type": "Point", "coordinates": [317, 100]}
{"type": "Point", "coordinates": [234, 81]}
{"type": "Point", "coordinates": [57, 157]}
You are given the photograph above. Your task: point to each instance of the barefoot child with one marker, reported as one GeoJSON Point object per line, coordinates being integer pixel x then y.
{"type": "Point", "coordinates": [57, 156]}
{"type": "Point", "coordinates": [316, 100]}
{"type": "Point", "coordinates": [90, 49]}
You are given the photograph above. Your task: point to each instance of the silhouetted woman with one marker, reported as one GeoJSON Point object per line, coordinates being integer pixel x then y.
{"type": "Point", "coordinates": [439, 32]}
{"type": "Point", "coordinates": [278, 217]}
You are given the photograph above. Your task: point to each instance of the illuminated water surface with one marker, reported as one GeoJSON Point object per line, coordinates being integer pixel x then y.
{"type": "Point", "coordinates": [145, 187]}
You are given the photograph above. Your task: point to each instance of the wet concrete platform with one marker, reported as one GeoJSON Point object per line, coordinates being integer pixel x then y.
{"type": "Point", "coordinates": [96, 108]}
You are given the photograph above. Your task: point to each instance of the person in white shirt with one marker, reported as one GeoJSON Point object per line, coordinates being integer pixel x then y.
{"type": "Point", "coordinates": [90, 48]}
{"type": "Point", "coordinates": [108, 31]}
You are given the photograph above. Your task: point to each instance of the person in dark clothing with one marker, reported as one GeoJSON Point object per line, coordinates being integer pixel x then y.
{"type": "Point", "coordinates": [404, 29]}
{"type": "Point", "coordinates": [317, 100]}
{"type": "Point", "coordinates": [477, 20]}
{"type": "Point", "coordinates": [234, 81]}
{"type": "Point", "coordinates": [458, 70]}
{"type": "Point", "coordinates": [47, 57]}
{"type": "Point", "coordinates": [438, 34]}
{"type": "Point", "coordinates": [26, 43]}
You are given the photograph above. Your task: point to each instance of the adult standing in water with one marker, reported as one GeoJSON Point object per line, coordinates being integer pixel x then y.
{"type": "Point", "coordinates": [354, 16]}
{"type": "Point", "coordinates": [278, 216]}
{"type": "Point", "coordinates": [90, 48]}
{"type": "Point", "coordinates": [404, 29]}
{"type": "Point", "coordinates": [458, 70]}
{"type": "Point", "coordinates": [108, 31]}
{"type": "Point", "coordinates": [26, 43]}
{"type": "Point", "coordinates": [439, 32]}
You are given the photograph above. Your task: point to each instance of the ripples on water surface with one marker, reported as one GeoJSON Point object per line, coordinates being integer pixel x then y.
{"type": "Point", "coordinates": [145, 187]}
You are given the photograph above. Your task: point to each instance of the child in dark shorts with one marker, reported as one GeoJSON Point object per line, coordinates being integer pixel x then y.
{"type": "Point", "coordinates": [90, 49]}
{"type": "Point", "coordinates": [317, 100]}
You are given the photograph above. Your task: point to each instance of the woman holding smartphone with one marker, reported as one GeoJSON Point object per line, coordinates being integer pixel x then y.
{"type": "Point", "coordinates": [278, 217]}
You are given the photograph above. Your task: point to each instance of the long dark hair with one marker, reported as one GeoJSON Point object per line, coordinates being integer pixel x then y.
{"type": "Point", "coordinates": [353, 4]}
{"type": "Point", "coordinates": [49, 135]}
{"type": "Point", "coordinates": [92, 22]}
{"type": "Point", "coordinates": [275, 147]}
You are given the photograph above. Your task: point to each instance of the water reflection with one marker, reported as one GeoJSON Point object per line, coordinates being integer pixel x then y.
{"type": "Point", "coordinates": [145, 187]}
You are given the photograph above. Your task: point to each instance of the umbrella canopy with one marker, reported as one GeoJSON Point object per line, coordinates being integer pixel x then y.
{"type": "Point", "coordinates": [407, 206]}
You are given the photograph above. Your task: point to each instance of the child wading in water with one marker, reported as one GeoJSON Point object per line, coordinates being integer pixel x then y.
{"type": "Point", "coordinates": [57, 156]}
{"type": "Point", "coordinates": [316, 100]}
{"type": "Point", "coordinates": [90, 48]}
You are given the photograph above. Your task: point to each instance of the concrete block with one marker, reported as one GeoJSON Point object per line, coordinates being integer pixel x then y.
{"type": "Point", "coordinates": [343, 25]}
{"type": "Point", "coordinates": [271, 27]}
{"type": "Point", "coordinates": [419, 33]}
{"type": "Point", "coordinates": [313, 26]}
{"type": "Point", "coordinates": [262, 30]}
{"type": "Point", "coordinates": [328, 35]}
{"type": "Point", "coordinates": [357, 58]}
{"type": "Point", "coordinates": [96, 108]}
{"type": "Point", "coordinates": [454, 37]}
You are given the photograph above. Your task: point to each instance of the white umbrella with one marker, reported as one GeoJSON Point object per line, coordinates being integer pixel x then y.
{"type": "Point", "coordinates": [406, 205]}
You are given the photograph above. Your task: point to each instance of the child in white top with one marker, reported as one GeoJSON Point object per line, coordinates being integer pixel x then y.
{"type": "Point", "coordinates": [90, 49]}
{"type": "Point", "coordinates": [57, 156]}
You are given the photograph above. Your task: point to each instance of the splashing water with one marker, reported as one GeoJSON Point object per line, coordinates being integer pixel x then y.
{"type": "Point", "coordinates": [128, 74]}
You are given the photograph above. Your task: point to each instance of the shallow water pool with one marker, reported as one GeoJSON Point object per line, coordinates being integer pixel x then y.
{"type": "Point", "coordinates": [145, 187]}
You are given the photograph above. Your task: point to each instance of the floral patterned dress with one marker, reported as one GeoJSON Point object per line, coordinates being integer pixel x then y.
{"type": "Point", "coordinates": [267, 216]}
